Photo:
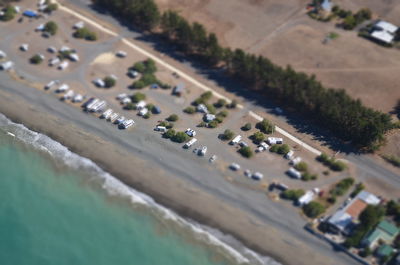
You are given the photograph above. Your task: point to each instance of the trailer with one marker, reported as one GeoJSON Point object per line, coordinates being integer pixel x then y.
{"type": "Point", "coordinates": [274, 140]}
{"type": "Point", "coordinates": [294, 173]}
{"type": "Point", "coordinates": [190, 143]}
{"type": "Point", "coordinates": [62, 88]}
{"type": "Point", "coordinates": [236, 140]}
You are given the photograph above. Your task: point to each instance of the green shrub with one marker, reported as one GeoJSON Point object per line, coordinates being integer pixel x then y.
{"type": "Point", "coordinates": [138, 97]}
{"type": "Point", "coordinates": [222, 114]}
{"type": "Point", "coordinates": [180, 137]}
{"type": "Point", "coordinates": [173, 117]}
{"type": "Point", "coordinates": [246, 151]}
{"type": "Point", "coordinates": [85, 33]}
{"type": "Point", "coordinates": [213, 124]}
{"type": "Point", "coordinates": [130, 106]}
{"type": "Point", "coordinates": [202, 124]}
{"type": "Point", "coordinates": [139, 67]}
{"type": "Point", "coordinates": [51, 27]}
{"type": "Point", "coordinates": [342, 187]}
{"type": "Point", "coordinates": [220, 103]}
{"type": "Point", "coordinates": [258, 137]}
{"type": "Point", "coordinates": [51, 7]}
{"type": "Point", "coordinates": [147, 115]}
{"type": "Point", "coordinates": [332, 199]}
{"type": "Point", "coordinates": [302, 166]}
{"type": "Point", "coordinates": [246, 127]}
{"type": "Point", "coordinates": [206, 95]}
{"type": "Point", "coordinates": [227, 135]}
{"type": "Point", "coordinates": [150, 107]}
{"type": "Point", "coordinates": [265, 126]}
{"type": "Point", "coordinates": [338, 166]}
{"type": "Point", "coordinates": [9, 13]}
{"type": "Point", "coordinates": [109, 82]}
{"type": "Point", "coordinates": [274, 148]}
{"type": "Point", "coordinates": [36, 59]}
{"type": "Point", "coordinates": [306, 176]}
{"type": "Point", "coordinates": [313, 209]}
{"type": "Point", "coordinates": [394, 160]}
{"type": "Point", "coordinates": [283, 149]}
{"type": "Point", "coordinates": [333, 164]}
{"type": "Point", "coordinates": [189, 110]}
{"type": "Point", "coordinates": [219, 119]}
{"type": "Point", "coordinates": [232, 105]}
{"type": "Point", "coordinates": [211, 108]}
{"type": "Point", "coordinates": [293, 195]}
{"type": "Point", "coordinates": [169, 134]}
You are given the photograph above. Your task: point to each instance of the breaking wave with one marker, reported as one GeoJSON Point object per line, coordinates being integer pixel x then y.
{"type": "Point", "coordinates": [227, 245]}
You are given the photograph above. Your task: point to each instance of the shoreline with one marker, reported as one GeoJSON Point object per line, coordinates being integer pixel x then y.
{"type": "Point", "coordinates": [168, 190]}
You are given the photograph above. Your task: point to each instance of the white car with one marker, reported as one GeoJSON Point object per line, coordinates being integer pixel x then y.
{"type": "Point", "coordinates": [203, 151]}
{"type": "Point", "coordinates": [212, 159]}
{"type": "Point", "coordinates": [234, 166]}
{"type": "Point", "coordinates": [120, 120]}
{"type": "Point", "coordinates": [257, 176]}
{"type": "Point", "coordinates": [190, 132]}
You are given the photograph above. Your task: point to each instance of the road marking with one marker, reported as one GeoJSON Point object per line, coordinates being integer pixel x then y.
{"type": "Point", "coordinates": [185, 76]}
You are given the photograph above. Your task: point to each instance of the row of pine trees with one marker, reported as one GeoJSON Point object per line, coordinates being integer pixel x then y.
{"type": "Point", "coordinates": [333, 109]}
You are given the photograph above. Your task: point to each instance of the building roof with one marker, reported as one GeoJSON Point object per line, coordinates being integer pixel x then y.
{"type": "Point", "coordinates": [384, 231]}
{"type": "Point", "coordinates": [388, 227]}
{"type": "Point", "coordinates": [355, 208]}
{"type": "Point", "coordinates": [384, 250]}
{"type": "Point", "coordinates": [327, 5]}
{"type": "Point", "coordinates": [386, 26]}
{"type": "Point", "coordinates": [368, 197]}
{"type": "Point", "coordinates": [382, 36]}
{"type": "Point", "coordinates": [344, 217]}
{"type": "Point", "coordinates": [341, 219]}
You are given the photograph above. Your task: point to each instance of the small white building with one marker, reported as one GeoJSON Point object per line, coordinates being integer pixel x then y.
{"type": "Point", "coordinates": [236, 140]}
{"type": "Point", "coordinates": [384, 31]}
{"type": "Point", "coordinates": [306, 198]}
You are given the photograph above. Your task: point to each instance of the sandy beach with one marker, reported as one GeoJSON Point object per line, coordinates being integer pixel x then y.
{"type": "Point", "coordinates": [188, 187]}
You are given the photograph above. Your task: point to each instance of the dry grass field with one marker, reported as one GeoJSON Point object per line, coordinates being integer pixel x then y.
{"type": "Point", "coordinates": [283, 32]}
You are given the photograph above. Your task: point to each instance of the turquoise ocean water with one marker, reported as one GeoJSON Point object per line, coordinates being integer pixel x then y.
{"type": "Point", "coordinates": [59, 208]}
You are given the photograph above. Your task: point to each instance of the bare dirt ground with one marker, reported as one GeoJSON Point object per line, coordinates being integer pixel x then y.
{"type": "Point", "coordinates": [283, 32]}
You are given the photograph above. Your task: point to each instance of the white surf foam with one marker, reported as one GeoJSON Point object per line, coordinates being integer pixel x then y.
{"type": "Point", "coordinates": [114, 187]}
